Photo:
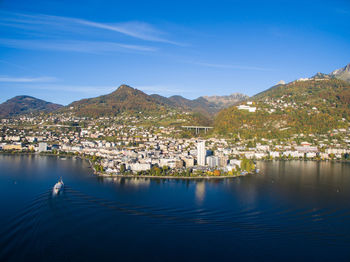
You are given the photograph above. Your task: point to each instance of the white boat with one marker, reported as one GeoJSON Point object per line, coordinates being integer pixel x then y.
{"type": "Point", "coordinates": [58, 187]}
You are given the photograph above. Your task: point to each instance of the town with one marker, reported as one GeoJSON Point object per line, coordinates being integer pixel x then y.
{"type": "Point", "coordinates": [115, 147]}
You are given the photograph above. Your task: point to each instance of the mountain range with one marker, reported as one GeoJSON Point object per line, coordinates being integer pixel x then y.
{"type": "Point", "coordinates": [124, 99]}
{"type": "Point", "coordinates": [314, 104]}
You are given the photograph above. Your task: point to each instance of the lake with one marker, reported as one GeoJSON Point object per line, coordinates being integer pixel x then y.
{"type": "Point", "coordinates": [291, 211]}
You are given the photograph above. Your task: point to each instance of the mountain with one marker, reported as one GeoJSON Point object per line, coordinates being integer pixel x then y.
{"type": "Point", "coordinates": [316, 105]}
{"type": "Point", "coordinates": [199, 105]}
{"type": "Point", "coordinates": [319, 75]}
{"type": "Point", "coordinates": [226, 101]}
{"type": "Point", "coordinates": [124, 99]}
{"type": "Point", "coordinates": [127, 99]}
{"type": "Point", "coordinates": [164, 100]}
{"type": "Point", "coordinates": [19, 105]}
{"type": "Point", "coordinates": [206, 105]}
{"type": "Point", "coordinates": [342, 73]}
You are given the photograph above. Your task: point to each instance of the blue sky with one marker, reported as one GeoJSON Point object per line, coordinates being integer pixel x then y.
{"type": "Point", "coordinates": [63, 51]}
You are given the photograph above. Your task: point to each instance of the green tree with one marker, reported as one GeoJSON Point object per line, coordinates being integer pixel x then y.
{"type": "Point", "coordinates": [122, 168]}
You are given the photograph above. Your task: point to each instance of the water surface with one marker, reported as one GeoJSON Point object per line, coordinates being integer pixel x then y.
{"type": "Point", "coordinates": [292, 211]}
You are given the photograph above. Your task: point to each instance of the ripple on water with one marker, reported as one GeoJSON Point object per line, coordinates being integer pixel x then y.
{"type": "Point", "coordinates": [75, 209]}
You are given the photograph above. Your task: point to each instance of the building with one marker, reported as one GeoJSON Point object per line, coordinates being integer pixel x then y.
{"type": "Point", "coordinates": [223, 161]}
{"type": "Point", "coordinates": [136, 167]}
{"type": "Point", "coordinates": [201, 153]}
{"type": "Point", "coordinates": [189, 162]}
{"type": "Point", "coordinates": [235, 162]}
{"type": "Point", "coordinates": [213, 161]}
{"type": "Point", "coordinates": [248, 108]}
{"type": "Point", "coordinates": [17, 146]}
{"type": "Point", "coordinates": [42, 147]}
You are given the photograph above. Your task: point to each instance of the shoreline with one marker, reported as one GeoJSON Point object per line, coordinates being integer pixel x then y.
{"type": "Point", "coordinates": [103, 174]}
{"type": "Point", "coordinates": [167, 177]}
{"type": "Point", "coordinates": [260, 160]}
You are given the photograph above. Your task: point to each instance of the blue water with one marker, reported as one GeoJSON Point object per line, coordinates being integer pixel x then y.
{"type": "Point", "coordinates": [292, 211]}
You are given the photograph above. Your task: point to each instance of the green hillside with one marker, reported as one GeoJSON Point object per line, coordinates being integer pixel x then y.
{"type": "Point", "coordinates": [124, 99]}
{"type": "Point", "coordinates": [313, 106]}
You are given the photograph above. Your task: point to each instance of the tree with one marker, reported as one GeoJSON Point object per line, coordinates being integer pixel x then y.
{"type": "Point", "coordinates": [122, 168]}
{"type": "Point", "coordinates": [217, 172]}
{"type": "Point", "coordinates": [247, 165]}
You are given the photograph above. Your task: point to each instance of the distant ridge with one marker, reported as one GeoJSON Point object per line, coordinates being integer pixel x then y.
{"type": "Point", "coordinates": [226, 101]}
{"type": "Point", "coordinates": [19, 105]}
{"type": "Point", "coordinates": [208, 105]}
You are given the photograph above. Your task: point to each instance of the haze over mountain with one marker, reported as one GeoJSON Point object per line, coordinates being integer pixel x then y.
{"type": "Point", "coordinates": [199, 105]}
{"type": "Point", "coordinates": [226, 101]}
{"type": "Point", "coordinates": [26, 104]}
{"type": "Point", "coordinates": [204, 104]}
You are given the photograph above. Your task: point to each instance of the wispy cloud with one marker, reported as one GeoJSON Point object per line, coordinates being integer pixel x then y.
{"type": "Point", "coordinates": [37, 22]}
{"type": "Point", "coordinates": [73, 45]}
{"type": "Point", "coordinates": [139, 30]}
{"type": "Point", "coordinates": [227, 66]}
{"type": "Point", "coordinates": [27, 79]}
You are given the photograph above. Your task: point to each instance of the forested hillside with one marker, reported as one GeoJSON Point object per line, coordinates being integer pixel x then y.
{"type": "Point", "coordinates": [313, 106]}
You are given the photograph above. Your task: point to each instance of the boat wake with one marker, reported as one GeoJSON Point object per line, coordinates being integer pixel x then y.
{"type": "Point", "coordinates": [75, 211]}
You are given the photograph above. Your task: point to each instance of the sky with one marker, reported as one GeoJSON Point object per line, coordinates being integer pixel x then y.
{"type": "Point", "coordinates": [66, 50]}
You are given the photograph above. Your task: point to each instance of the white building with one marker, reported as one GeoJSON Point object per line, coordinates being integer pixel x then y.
{"type": "Point", "coordinates": [248, 108]}
{"type": "Point", "coordinates": [140, 167]}
{"type": "Point", "coordinates": [213, 161]}
{"type": "Point", "coordinates": [42, 147]}
{"type": "Point", "coordinates": [274, 154]}
{"type": "Point", "coordinates": [235, 162]}
{"type": "Point", "coordinates": [201, 153]}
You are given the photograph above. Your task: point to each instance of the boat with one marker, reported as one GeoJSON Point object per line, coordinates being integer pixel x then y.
{"type": "Point", "coordinates": [58, 187]}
